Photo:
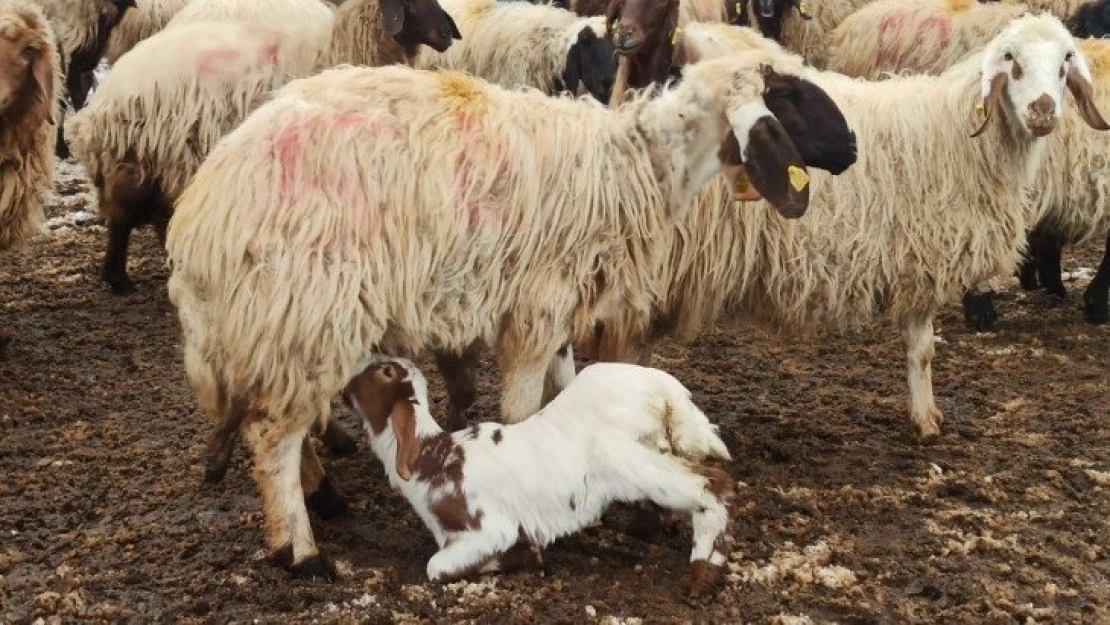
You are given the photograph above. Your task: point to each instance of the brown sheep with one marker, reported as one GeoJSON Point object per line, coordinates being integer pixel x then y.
{"type": "Point", "coordinates": [28, 75]}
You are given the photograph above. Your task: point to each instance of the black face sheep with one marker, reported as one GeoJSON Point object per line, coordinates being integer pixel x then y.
{"type": "Point", "coordinates": [493, 494]}
{"type": "Point", "coordinates": [507, 236]}
{"type": "Point", "coordinates": [29, 77]}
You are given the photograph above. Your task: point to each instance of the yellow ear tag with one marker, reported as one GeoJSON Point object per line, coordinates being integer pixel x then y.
{"type": "Point", "coordinates": [980, 108]}
{"type": "Point", "coordinates": [803, 9]}
{"type": "Point", "coordinates": [742, 182]}
{"type": "Point", "coordinates": [676, 37]}
{"type": "Point", "coordinates": [798, 177]}
{"type": "Point", "coordinates": [739, 8]}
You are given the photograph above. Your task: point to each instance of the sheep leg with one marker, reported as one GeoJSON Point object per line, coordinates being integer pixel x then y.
{"type": "Point", "coordinates": [61, 148]}
{"type": "Point", "coordinates": [1027, 270]}
{"type": "Point", "coordinates": [222, 443]}
{"type": "Point", "coordinates": [917, 333]}
{"type": "Point", "coordinates": [1095, 298]}
{"type": "Point", "coordinates": [457, 370]}
{"type": "Point", "coordinates": [277, 445]}
{"type": "Point", "coordinates": [560, 372]}
{"type": "Point", "coordinates": [670, 483]}
{"type": "Point", "coordinates": [979, 310]}
{"type": "Point", "coordinates": [320, 496]}
{"type": "Point", "coordinates": [1048, 249]}
{"type": "Point", "coordinates": [466, 554]}
{"type": "Point", "coordinates": [524, 361]}
{"type": "Point", "coordinates": [115, 259]}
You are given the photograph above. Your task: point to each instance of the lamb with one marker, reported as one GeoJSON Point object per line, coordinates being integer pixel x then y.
{"type": "Point", "coordinates": [29, 79]}
{"type": "Point", "coordinates": [492, 494]}
{"type": "Point", "coordinates": [198, 87]}
{"type": "Point", "coordinates": [1069, 186]}
{"type": "Point", "coordinates": [507, 237]}
{"type": "Point", "coordinates": [837, 269]}
{"type": "Point", "coordinates": [517, 43]}
{"type": "Point", "coordinates": [147, 18]}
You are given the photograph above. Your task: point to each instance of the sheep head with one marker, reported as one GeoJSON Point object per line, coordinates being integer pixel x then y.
{"type": "Point", "coordinates": [26, 66]}
{"type": "Point", "coordinates": [1025, 70]}
{"type": "Point", "coordinates": [636, 24]}
{"type": "Point", "coordinates": [590, 62]}
{"type": "Point", "coordinates": [416, 22]}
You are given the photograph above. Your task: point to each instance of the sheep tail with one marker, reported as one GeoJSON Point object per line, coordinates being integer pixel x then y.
{"type": "Point", "coordinates": [689, 431]}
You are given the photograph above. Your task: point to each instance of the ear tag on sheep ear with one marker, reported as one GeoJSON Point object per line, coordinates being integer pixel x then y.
{"type": "Point", "coordinates": [676, 37]}
{"type": "Point", "coordinates": [798, 177]}
{"type": "Point", "coordinates": [742, 183]}
{"type": "Point", "coordinates": [803, 9]}
{"type": "Point", "coordinates": [980, 108]}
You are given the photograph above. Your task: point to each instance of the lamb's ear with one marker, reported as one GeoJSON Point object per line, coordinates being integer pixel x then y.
{"type": "Point", "coordinates": [1079, 83]}
{"type": "Point", "coordinates": [42, 72]}
{"type": "Point", "coordinates": [573, 73]}
{"type": "Point", "coordinates": [771, 160]}
{"type": "Point", "coordinates": [393, 16]}
{"type": "Point", "coordinates": [403, 419]}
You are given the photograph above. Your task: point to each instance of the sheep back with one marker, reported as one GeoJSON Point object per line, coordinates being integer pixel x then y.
{"type": "Point", "coordinates": [168, 101]}
{"type": "Point", "coordinates": [139, 23]}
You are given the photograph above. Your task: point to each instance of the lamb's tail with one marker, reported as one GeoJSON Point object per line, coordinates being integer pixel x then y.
{"type": "Point", "coordinates": [689, 431]}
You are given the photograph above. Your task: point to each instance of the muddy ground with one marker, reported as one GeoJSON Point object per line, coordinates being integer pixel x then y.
{"type": "Point", "coordinates": [845, 518]}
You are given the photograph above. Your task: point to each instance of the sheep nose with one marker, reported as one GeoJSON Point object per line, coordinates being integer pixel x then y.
{"type": "Point", "coordinates": [626, 40]}
{"type": "Point", "coordinates": [1041, 117]}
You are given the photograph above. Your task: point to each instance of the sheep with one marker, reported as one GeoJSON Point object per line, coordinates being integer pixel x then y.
{"type": "Point", "coordinates": [492, 494]}
{"type": "Point", "coordinates": [799, 275]}
{"type": "Point", "coordinates": [309, 13]}
{"type": "Point", "coordinates": [508, 236]}
{"type": "Point", "coordinates": [81, 31]}
{"type": "Point", "coordinates": [147, 18]}
{"type": "Point", "coordinates": [198, 88]}
{"type": "Point", "coordinates": [1070, 212]}
{"type": "Point", "coordinates": [519, 43]}
{"type": "Point", "coordinates": [1091, 20]}
{"type": "Point", "coordinates": [802, 27]}
{"type": "Point", "coordinates": [29, 79]}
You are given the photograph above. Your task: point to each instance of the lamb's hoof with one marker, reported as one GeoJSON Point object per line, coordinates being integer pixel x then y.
{"type": "Point", "coordinates": [646, 524]}
{"type": "Point", "coordinates": [1028, 280]}
{"type": "Point", "coordinates": [326, 502]}
{"type": "Point", "coordinates": [979, 311]}
{"type": "Point", "coordinates": [1094, 310]}
{"type": "Point", "coordinates": [313, 568]}
{"type": "Point", "coordinates": [338, 441]}
{"type": "Point", "coordinates": [120, 286]}
{"type": "Point", "coordinates": [704, 577]}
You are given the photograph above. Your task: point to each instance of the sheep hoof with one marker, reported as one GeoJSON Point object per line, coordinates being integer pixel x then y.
{"type": "Point", "coordinates": [315, 568]}
{"type": "Point", "coordinates": [215, 470]}
{"type": "Point", "coordinates": [928, 428]}
{"type": "Point", "coordinates": [1094, 310]}
{"type": "Point", "coordinates": [704, 577]}
{"type": "Point", "coordinates": [326, 502]}
{"type": "Point", "coordinates": [1058, 289]}
{"type": "Point", "coordinates": [979, 311]}
{"type": "Point", "coordinates": [120, 286]}
{"type": "Point", "coordinates": [338, 441]}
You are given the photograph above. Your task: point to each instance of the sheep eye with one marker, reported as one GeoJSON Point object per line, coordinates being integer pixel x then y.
{"type": "Point", "coordinates": [1069, 56]}
{"type": "Point", "coordinates": [29, 53]}
{"type": "Point", "coordinates": [1008, 56]}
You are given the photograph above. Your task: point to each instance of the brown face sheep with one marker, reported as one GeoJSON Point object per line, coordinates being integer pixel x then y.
{"type": "Point", "coordinates": [28, 71]}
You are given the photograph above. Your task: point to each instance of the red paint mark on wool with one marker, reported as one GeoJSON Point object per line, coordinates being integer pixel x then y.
{"type": "Point", "coordinates": [268, 57]}
{"type": "Point", "coordinates": [480, 163]}
{"type": "Point", "coordinates": [215, 60]}
{"type": "Point", "coordinates": [935, 30]}
{"type": "Point", "coordinates": [307, 171]}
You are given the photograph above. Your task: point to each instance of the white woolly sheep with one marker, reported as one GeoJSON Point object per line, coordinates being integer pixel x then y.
{"type": "Point", "coordinates": [279, 13]}
{"type": "Point", "coordinates": [147, 18]}
{"type": "Point", "coordinates": [492, 495]}
{"type": "Point", "coordinates": [191, 89]}
{"type": "Point", "coordinates": [29, 81]}
{"type": "Point", "coordinates": [931, 212]}
{"type": "Point", "coordinates": [506, 236]}
{"type": "Point", "coordinates": [518, 43]}
{"type": "Point", "coordinates": [81, 31]}
{"type": "Point", "coordinates": [1070, 186]}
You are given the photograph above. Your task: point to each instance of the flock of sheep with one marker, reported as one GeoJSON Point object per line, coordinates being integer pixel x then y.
{"type": "Point", "coordinates": [341, 187]}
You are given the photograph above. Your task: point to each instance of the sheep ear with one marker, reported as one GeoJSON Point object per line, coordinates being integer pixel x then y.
{"type": "Point", "coordinates": [393, 13]}
{"type": "Point", "coordinates": [573, 72]}
{"type": "Point", "coordinates": [771, 160]}
{"type": "Point", "coordinates": [992, 96]}
{"type": "Point", "coordinates": [403, 419]}
{"type": "Point", "coordinates": [1079, 83]}
{"type": "Point", "coordinates": [42, 72]}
